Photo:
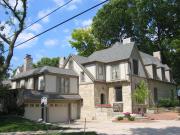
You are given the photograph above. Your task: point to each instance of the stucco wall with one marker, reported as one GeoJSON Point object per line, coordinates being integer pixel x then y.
{"type": "Point", "coordinates": [78, 70]}
{"type": "Point", "coordinates": [149, 70]}
{"type": "Point", "coordinates": [92, 69]}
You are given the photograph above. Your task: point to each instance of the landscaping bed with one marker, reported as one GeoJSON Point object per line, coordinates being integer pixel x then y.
{"type": "Point", "coordinates": [16, 123]}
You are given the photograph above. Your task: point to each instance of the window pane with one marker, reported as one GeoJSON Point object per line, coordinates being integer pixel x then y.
{"type": "Point", "coordinates": [118, 94]}
{"type": "Point", "coordinates": [115, 72]}
{"type": "Point", "coordinates": [135, 67]}
{"type": "Point", "coordinates": [67, 85]}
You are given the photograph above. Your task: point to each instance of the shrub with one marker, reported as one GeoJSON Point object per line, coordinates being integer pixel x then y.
{"type": "Point", "coordinates": [131, 118]}
{"type": "Point", "coordinates": [120, 118]}
{"type": "Point", "coordinates": [167, 103]}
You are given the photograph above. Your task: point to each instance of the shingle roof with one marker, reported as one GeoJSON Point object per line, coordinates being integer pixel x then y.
{"type": "Point", "coordinates": [149, 59]}
{"type": "Point", "coordinates": [45, 69]}
{"type": "Point", "coordinates": [117, 52]}
{"type": "Point", "coordinates": [80, 59]}
{"type": "Point", "coordinates": [37, 95]}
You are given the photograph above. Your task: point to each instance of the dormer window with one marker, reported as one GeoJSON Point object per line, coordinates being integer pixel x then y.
{"type": "Point", "coordinates": [135, 67]}
{"type": "Point", "coordinates": [154, 71]}
{"type": "Point", "coordinates": [163, 73]}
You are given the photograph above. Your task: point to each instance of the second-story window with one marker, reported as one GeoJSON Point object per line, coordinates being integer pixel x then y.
{"type": "Point", "coordinates": [100, 69]}
{"type": "Point", "coordinates": [82, 77]}
{"type": "Point", "coordinates": [135, 67]}
{"type": "Point", "coordinates": [64, 85]}
{"type": "Point", "coordinates": [163, 73]}
{"type": "Point", "coordinates": [115, 72]}
{"type": "Point", "coordinates": [154, 71]}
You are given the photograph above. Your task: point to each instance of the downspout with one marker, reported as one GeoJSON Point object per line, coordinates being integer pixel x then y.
{"type": "Point", "coordinates": [130, 74]}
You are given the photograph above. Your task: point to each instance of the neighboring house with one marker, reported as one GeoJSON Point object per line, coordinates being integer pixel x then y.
{"type": "Point", "coordinates": [107, 79]}
{"type": "Point", "coordinates": [60, 86]}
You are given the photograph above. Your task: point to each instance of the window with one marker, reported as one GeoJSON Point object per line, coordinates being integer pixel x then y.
{"type": "Point", "coordinates": [102, 98]}
{"type": "Point", "coordinates": [35, 83]}
{"type": "Point", "coordinates": [135, 67]}
{"type": "Point", "coordinates": [82, 76]}
{"type": "Point", "coordinates": [115, 72]}
{"type": "Point", "coordinates": [18, 84]}
{"type": "Point", "coordinates": [155, 95]}
{"type": "Point", "coordinates": [100, 69]}
{"type": "Point", "coordinates": [70, 64]}
{"type": "Point", "coordinates": [64, 85]}
{"type": "Point", "coordinates": [118, 91]}
{"type": "Point", "coordinates": [163, 73]}
{"type": "Point", "coordinates": [154, 71]}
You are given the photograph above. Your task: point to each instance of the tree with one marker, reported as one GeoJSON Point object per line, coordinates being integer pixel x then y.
{"type": "Point", "coordinates": [14, 18]}
{"type": "Point", "coordinates": [47, 62]}
{"type": "Point", "coordinates": [141, 93]}
{"type": "Point", "coordinates": [84, 41]}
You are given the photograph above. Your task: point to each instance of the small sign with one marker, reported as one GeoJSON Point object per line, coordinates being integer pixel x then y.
{"type": "Point", "coordinates": [178, 93]}
{"type": "Point", "coordinates": [44, 100]}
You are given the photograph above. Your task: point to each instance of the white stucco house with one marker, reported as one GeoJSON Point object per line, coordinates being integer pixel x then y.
{"type": "Point", "coordinates": [107, 79]}
{"type": "Point", "coordinates": [60, 86]}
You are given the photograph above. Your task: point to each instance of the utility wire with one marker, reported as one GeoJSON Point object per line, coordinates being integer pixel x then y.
{"type": "Point", "coordinates": [46, 15]}
{"type": "Point", "coordinates": [59, 24]}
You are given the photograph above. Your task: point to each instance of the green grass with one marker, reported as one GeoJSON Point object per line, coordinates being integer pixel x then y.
{"type": "Point", "coordinates": [15, 123]}
{"type": "Point", "coordinates": [76, 133]}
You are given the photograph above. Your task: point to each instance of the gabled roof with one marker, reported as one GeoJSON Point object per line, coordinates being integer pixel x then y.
{"type": "Point", "coordinates": [149, 59]}
{"type": "Point", "coordinates": [117, 52]}
{"type": "Point", "coordinates": [45, 69]}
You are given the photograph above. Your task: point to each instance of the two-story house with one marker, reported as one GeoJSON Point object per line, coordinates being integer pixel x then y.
{"type": "Point", "coordinates": [59, 86]}
{"type": "Point", "coordinates": [107, 79]}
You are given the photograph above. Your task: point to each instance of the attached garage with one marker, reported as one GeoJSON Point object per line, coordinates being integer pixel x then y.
{"type": "Point", "coordinates": [56, 112]}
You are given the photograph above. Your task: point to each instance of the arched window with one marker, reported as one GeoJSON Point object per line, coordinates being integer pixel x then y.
{"type": "Point", "coordinates": [102, 98]}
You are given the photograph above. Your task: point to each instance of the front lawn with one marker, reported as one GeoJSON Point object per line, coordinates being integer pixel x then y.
{"type": "Point", "coordinates": [76, 133]}
{"type": "Point", "coordinates": [15, 123]}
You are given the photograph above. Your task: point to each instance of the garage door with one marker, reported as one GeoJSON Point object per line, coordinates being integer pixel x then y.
{"type": "Point", "coordinates": [32, 111]}
{"type": "Point", "coordinates": [58, 112]}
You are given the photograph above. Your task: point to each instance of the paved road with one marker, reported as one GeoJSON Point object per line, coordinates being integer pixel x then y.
{"type": "Point", "coordinates": [163, 127]}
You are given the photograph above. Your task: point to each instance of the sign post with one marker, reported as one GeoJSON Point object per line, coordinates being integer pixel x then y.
{"type": "Point", "coordinates": [43, 108]}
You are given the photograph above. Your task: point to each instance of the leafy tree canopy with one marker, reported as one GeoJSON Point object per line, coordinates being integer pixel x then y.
{"type": "Point", "coordinates": [45, 61]}
{"type": "Point", "coordinates": [84, 41]}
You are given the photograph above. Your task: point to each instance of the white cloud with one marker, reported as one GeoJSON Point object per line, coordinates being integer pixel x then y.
{"type": "Point", "coordinates": [59, 2]}
{"type": "Point", "coordinates": [86, 23]}
{"type": "Point", "coordinates": [66, 30]}
{"type": "Point", "coordinates": [35, 28]}
{"type": "Point", "coordinates": [42, 13]}
{"type": "Point", "coordinates": [23, 37]}
{"type": "Point", "coordinates": [51, 42]}
{"type": "Point", "coordinates": [71, 6]}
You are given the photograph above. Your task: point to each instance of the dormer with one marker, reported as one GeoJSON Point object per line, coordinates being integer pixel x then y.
{"type": "Point", "coordinates": [168, 75]}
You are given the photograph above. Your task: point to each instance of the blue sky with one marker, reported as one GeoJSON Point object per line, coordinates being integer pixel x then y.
{"type": "Point", "coordinates": [54, 43]}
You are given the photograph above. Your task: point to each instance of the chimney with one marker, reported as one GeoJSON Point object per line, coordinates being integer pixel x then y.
{"type": "Point", "coordinates": [127, 40]}
{"type": "Point", "coordinates": [28, 63]}
{"type": "Point", "coordinates": [61, 62]}
{"type": "Point", "coordinates": [157, 55]}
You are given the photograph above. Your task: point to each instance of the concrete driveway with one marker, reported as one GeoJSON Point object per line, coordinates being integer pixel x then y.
{"type": "Point", "coordinates": [161, 127]}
